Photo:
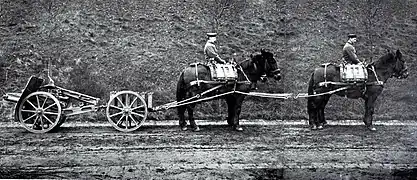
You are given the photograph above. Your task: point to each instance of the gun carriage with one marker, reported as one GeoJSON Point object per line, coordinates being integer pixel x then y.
{"type": "Point", "coordinates": [43, 108]}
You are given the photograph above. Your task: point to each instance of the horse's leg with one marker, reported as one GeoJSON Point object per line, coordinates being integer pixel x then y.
{"type": "Point", "coordinates": [181, 94]}
{"type": "Point", "coordinates": [316, 112]}
{"type": "Point", "coordinates": [190, 109]}
{"type": "Point", "coordinates": [181, 111]}
{"type": "Point", "coordinates": [312, 110]}
{"type": "Point", "coordinates": [230, 100]}
{"type": "Point", "coordinates": [369, 112]}
{"type": "Point", "coordinates": [312, 105]}
{"type": "Point", "coordinates": [237, 109]}
{"type": "Point", "coordinates": [321, 117]}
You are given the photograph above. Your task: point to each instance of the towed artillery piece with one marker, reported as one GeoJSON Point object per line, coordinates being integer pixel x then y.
{"type": "Point", "coordinates": [43, 108]}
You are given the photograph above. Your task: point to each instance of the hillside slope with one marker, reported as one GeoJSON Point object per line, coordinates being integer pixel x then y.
{"type": "Point", "coordinates": [95, 47]}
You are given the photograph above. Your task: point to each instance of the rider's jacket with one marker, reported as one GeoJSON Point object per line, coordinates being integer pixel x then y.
{"type": "Point", "coordinates": [349, 54]}
{"type": "Point", "coordinates": [210, 53]}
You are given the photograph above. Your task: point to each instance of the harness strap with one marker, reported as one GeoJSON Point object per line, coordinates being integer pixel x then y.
{"type": "Point", "coordinates": [196, 74]}
{"type": "Point", "coordinates": [189, 100]}
{"type": "Point", "coordinates": [378, 82]}
{"type": "Point", "coordinates": [325, 73]}
{"type": "Point", "coordinates": [240, 68]}
{"type": "Point", "coordinates": [325, 93]}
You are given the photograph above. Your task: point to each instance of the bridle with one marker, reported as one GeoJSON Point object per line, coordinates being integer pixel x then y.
{"type": "Point", "coordinates": [399, 72]}
{"type": "Point", "coordinates": [268, 67]}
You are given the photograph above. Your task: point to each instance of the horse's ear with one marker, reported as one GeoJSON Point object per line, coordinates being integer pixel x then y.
{"type": "Point", "coordinates": [253, 58]}
{"type": "Point", "coordinates": [398, 54]}
{"type": "Point", "coordinates": [391, 56]}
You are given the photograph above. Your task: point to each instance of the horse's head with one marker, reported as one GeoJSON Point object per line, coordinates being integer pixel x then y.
{"type": "Point", "coordinates": [400, 69]}
{"type": "Point", "coordinates": [268, 66]}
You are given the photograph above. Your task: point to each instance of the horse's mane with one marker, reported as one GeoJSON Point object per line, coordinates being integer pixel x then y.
{"type": "Point", "coordinates": [248, 62]}
{"type": "Point", "coordinates": [382, 60]}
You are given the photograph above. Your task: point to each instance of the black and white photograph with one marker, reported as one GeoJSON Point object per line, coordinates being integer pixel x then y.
{"type": "Point", "coordinates": [208, 89]}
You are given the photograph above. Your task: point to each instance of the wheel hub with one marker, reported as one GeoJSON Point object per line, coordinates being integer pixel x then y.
{"type": "Point", "coordinates": [39, 112]}
{"type": "Point", "coordinates": [127, 111]}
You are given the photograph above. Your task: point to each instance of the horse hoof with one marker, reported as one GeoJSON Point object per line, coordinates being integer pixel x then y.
{"type": "Point", "coordinates": [239, 129]}
{"type": "Point", "coordinates": [196, 129]}
{"type": "Point", "coordinates": [319, 127]}
{"type": "Point", "coordinates": [184, 128]}
{"type": "Point", "coordinates": [372, 128]}
{"type": "Point", "coordinates": [313, 127]}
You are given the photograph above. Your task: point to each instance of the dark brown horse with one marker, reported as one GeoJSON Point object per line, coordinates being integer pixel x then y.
{"type": "Point", "coordinates": [389, 65]}
{"type": "Point", "coordinates": [258, 66]}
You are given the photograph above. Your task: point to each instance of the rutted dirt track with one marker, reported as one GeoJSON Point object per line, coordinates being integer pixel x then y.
{"type": "Point", "coordinates": [164, 152]}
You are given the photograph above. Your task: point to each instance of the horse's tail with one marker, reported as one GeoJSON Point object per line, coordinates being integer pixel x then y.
{"type": "Point", "coordinates": [181, 89]}
{"type": "Point", "coordinates": [311, 85]}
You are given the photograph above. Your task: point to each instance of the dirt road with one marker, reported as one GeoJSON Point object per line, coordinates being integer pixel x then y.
{"type": "Point", "coordinates": [278, 151]}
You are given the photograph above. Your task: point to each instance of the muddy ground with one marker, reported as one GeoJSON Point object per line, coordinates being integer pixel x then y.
{"type": "Point", "coordinates": [279, 151]}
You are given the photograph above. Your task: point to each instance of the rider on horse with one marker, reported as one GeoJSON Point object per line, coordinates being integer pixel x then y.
{"type": "Point", "coordinates": [349, 52]}
{"type": "Point", "coordinates": [210, 50]}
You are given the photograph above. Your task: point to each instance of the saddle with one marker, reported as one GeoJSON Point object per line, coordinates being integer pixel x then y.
{"type": "Point", "coordinates": [223, 72]}
{"type": "Point", "coordinates": [353, 73]}
{"type": "Point", "coordinates": [219, 73]}
{"type": "Point", "coordinates": [349, 73]}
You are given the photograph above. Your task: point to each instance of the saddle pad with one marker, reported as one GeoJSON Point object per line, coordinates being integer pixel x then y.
{"type": "Point", "coordinates": [223, 72]}
{"type": "Point", "coordinates": [353, 73]}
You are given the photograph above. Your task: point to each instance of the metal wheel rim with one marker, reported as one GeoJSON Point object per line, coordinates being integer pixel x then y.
{"type": "Point", "coordinates": [126, 111]}
{"type": "Point", "coordinates": [39, 112]}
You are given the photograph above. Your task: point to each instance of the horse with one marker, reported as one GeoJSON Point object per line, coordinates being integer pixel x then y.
{"type": "Point", "coordinates": [387, 66]}
{"type": "Point", "coordinates": [258, 67]}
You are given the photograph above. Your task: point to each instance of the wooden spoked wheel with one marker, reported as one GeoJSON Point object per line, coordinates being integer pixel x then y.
{"type": "Point", "coordinates": [126, 111]}
{"type": "Point", "coordinates": [39, 112]}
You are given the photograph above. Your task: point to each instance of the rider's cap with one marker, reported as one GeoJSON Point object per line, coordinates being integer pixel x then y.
{"type": "Point", "coordinates": [211, 34]}
{"type": "Point", "coordinates": [352, 36]}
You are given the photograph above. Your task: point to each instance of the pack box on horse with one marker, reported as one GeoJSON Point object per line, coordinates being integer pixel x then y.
{"type": "Point", "coordinates": [328, 78]}
{"type": "Point", "coordinates": [196, 81]}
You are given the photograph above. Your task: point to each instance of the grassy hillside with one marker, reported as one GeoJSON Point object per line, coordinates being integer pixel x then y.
{"type": "Point", "coordinates": [99, 46]}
